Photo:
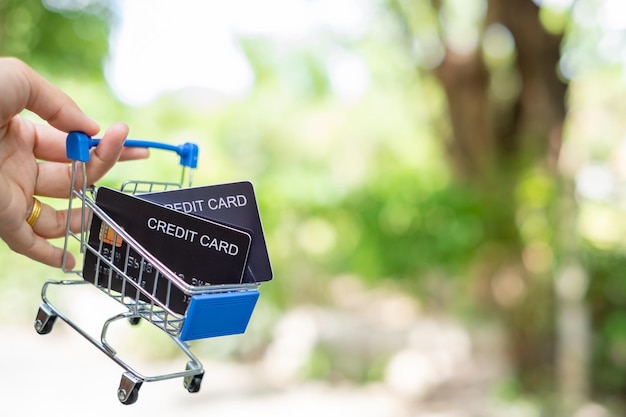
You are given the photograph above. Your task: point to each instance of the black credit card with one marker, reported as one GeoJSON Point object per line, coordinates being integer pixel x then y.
{"type": "Point", "coordinates": [233, 204]}
{"type": "Point", "coordinates": [200, 251]}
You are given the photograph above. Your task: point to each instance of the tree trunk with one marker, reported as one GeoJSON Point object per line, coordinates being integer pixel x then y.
{"type": "Point", "coordinates": [493, 142]}
{"type": "Point", "coordinates": [486, 131]}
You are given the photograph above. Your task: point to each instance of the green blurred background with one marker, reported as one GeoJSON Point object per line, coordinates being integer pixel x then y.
{"type": "Point", "coordinates": [464, 156]}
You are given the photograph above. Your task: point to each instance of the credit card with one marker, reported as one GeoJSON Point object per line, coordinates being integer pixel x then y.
{"type": "Point", "coordinates": [200, 251]}
{"type": "Point", "coordinates": [233, 204]}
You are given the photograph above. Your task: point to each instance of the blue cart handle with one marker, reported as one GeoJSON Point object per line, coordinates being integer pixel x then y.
{"type": "Point", "coordinates": [78, 144]}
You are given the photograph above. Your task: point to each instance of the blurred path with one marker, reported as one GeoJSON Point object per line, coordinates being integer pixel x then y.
{"type": "Point", "coordinates": [59, 374]}
{"type": "Point", "coordinates": [436, 370]}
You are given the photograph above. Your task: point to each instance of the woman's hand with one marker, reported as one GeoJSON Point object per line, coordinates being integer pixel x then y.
{"type": "Point", "coordinates": [33, 160]}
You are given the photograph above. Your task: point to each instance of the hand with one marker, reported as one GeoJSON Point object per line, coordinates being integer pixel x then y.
{"type": "Point", "coordinates": [33, 160]}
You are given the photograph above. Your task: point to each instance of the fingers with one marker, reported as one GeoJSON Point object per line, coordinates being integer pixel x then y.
{"type": "Point", "coordinates": [23, 88]}
{"type": "Point", "coordinates": [52, 223]}
{"type": "Point", "coordinates": [50, 146]}
{"type": "Point", "coordinates": [107, 153]}
{"type": "Point", "coordinates": [33, 241]}
{"type": "Point", "coordinates": [55, 180]}
{"type": "Point", "coordinates": [130, 154]}
{"type": "Point", "coordinates": [26, 242]}
{"type": "Point", "coordinates": [53, 105]}
{"type": "Point", "coordinates": [26, 89]}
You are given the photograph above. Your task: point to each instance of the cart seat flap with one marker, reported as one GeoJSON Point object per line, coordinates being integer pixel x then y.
{"type": "Point", "coordinates": [218, 314]}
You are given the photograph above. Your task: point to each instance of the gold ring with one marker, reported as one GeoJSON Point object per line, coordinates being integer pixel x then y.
{"type": "Point", "coordinates": [34, 215]}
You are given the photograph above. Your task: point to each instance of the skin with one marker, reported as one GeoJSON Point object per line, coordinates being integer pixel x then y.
{"type": "Point", "coordinates": [33, 160]}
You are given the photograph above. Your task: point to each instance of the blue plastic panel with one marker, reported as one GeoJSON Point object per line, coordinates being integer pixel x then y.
{"type": "Point", "coordinates": [218, 314]}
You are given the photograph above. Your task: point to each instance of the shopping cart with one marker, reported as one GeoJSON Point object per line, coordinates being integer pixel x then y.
{"type": "Point", "coordinates": [213, 310]}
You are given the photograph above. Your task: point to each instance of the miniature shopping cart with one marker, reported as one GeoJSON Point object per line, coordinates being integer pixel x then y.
{"type": "Point", "coordinates": [213, 310]}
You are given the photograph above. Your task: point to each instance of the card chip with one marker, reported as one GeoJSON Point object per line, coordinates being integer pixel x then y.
{"type": "Point", "coordinates": [108, 235]}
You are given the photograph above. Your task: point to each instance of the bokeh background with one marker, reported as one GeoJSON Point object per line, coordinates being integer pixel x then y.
{"type": "Point", "coordinates": [441, 184]}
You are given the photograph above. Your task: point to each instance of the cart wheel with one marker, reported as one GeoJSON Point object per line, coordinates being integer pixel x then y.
{"type": "Point", "coordinates": [192, 383]}
{"type": "Point", "coordinates": [128, 392]}
{"type": "Point", "coordinates": [130, 398]}
{"type": "Point", "coordinates": [44, 320]}
{"type": "Point", "coordinates": [134, 320]}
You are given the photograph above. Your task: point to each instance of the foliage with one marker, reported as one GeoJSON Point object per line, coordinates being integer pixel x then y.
{"type": "Point", "coordinates": [57, 36]}
{"type": "Point", "coordinates": [607, 299]}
